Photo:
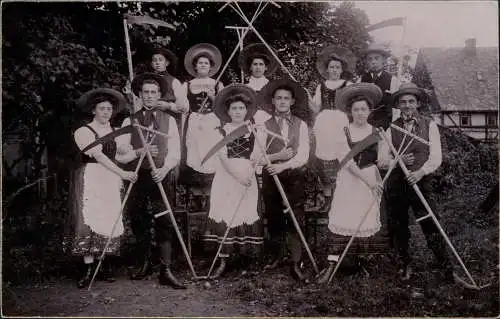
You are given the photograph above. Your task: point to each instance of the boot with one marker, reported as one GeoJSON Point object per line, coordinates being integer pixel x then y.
{"type": "Point", "coordinates": [145, 269]}
{"type": "Point", "coordinates": [296, 273]}
{"type": "Point", "coordinates": [167, 278]}
{"type": "Point", "coordinates": [220, 270]}
{"type": "Point", "coordinates": [326, 273]}
{"type": "Point", "coordinates": [86, 277]}
{"type": "Point", "coordinates": [108, 272]}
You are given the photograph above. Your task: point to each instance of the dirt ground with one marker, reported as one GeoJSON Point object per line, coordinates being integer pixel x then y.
{"type": "Point", "coordinates": [274, 293]}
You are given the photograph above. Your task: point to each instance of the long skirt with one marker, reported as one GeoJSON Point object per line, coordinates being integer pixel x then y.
{"type": "Point", "coordinates": [351, 200]}
{"type": "Point", "coordinates": [95, 202]}
{"type": "Point", "coordinates": [234, 205]}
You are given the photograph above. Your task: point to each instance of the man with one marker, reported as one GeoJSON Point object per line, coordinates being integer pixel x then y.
{"type": "Point", "coordinates": [174, 100]}
{"type": "Point", "coordinates": [421, 160]}
{"type": "Point", "coordinates": [288, 158]}
{"type": "Point", "coordinates": [145, 193]}
{"type": "Point", "coordinates": [375, 57]}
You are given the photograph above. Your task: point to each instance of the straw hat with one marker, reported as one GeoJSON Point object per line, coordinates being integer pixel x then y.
{"type": "Point", "coordinates": [86, 101]}
{"type": "Point", "coordinates": [408, 88]}
{"type": "Point", "coordinates": [220, 107]}
{"type": "Point", "coordinates": [139, 79]}
{"type": "Point", "coordinates": [206, 49]}
{"type": "Point", "coordinates": [257, 50]}
{"type": "Point", "coordinates": [376, 48]}
{"type": "Point", "coordinates": [369, 91]}
{"type": "Point", "coordinates": [345, 56]}
{"type": "Point", "coordinates": [299, 108]}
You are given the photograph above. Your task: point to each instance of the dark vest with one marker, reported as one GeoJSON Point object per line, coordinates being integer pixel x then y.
{"type": "Point", "coordinates": [419, 150]}
{"type": "Point", "coordinates": [169, 95]}
{"type": "Point", "coordinates": [328, 96]}
{"type": "Point", "coordinates": [366, 157]}
{"type": "Point", "coordinates": [161, 123]}
{"type": "Point", "coordinates": [293, 135]}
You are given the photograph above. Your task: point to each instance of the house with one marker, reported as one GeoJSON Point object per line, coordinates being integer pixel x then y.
{"type": "Point", "coordinates": [463, 87]}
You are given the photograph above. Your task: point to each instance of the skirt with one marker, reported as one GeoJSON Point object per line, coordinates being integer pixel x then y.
{"type": "Point", "coordinates": [95, 202]}
{"type": "Point", "coordinates": [201, 137]}
{"type": "Point", "coordinates": [351, 200]}
{"type": "Point", "coordinates": [236, 205]}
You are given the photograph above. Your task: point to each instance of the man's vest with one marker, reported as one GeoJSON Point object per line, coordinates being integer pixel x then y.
{"type": "Point", "coordinates": [420, 151]}
{"type": "Point", "coordinates": [161, 123]}
{"type": "Point", "coordinates": [293, 135]}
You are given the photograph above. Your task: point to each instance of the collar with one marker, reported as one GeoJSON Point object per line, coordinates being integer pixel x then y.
{"type": "Point", "coordinates": [287, 116]}
{"type": "Point", "coordinates": [374, 75]}
{"type": "Point", "coordinates": [257, 83]}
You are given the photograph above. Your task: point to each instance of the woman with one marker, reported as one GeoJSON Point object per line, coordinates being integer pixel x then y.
{"type": "Point", "coordinates": [233, 199]}
{"type": "Point", "coordinates": [358, 187]}
{"type": "Point", "coordinates": [95, 189]}
{"type": "Point", "coordinates": [202, 61]}
{"type": "Point", "coordinates": [335, 65]}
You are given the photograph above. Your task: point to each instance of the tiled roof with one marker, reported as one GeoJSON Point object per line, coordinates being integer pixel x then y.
{"type": "Point", "coordinates": [462, 82]}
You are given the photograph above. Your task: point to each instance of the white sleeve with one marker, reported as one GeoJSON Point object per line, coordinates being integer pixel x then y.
{"type": "Point", "coordinates": [173, 156]}
{"type": "Point", "coordinates": [83, 137]}
{"type": "Point", "coordinates": [435, 153]}
{"type": "Point", "coordinates": [330, 137]}
{"type": "Point", "coordinates": [180, 93]}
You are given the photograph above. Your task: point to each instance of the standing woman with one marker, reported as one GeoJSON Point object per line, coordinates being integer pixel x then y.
{"type": "Point", "coordinates": [95, 198]}
{"type": "Point", "coordinates": [359, 182]}
{"type": "Point", "coordinates": [256, 61]}
{"type": "Point", "coordinates": [234, 189]}
{"type": "Point", "coordinates": [335, 65]}
{"type": "Point", "coordinates": [202, 61]}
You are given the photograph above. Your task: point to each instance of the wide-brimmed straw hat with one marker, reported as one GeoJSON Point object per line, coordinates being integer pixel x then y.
{"type": "Point", "coordinates": [368, 91]}
{"type": "Point", "coordinates": [206, 49]}
{"type": "Point", "coordinates": [86, 102]}
{"type": "Point", "coordinates": [407, 88]}
{"type": "Point", "coordinates": [257, 50]}
{"type": "Point", "coordinates": [299, 108]}
{"type": "Point", "coordinates": [345, 56]}
{"type": "Point", "coordinates": [376, 48]}
{"type": "Point", "coordinates": [220, 107]}
{"type": "Point", "coordinates": [139, 80]}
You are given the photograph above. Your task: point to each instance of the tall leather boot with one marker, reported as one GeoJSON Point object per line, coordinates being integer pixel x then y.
{"type": "Point", "coordinates": [107, 272]}
{"type": "Point", "coordinates": [86, 276]}
{"type": "Point", "coordinates": [166, 276]}
{"type": "Point", "coordinates": [144, 269]}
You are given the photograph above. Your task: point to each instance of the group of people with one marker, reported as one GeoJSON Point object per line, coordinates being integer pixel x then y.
{"type": "Point", "coordinates": [181, 122]}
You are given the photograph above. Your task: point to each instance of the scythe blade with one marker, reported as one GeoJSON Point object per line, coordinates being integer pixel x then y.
{"type": "Point", "coordinates": [359, 147]}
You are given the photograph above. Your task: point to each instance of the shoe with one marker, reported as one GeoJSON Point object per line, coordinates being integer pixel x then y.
{"type": "Point", "coordinates": [296, 273]}
{"type": "Point", "coordinates": [273, 264]}
{"type": "Point", "coordinates": [144, 270]}
{"type": "Point", "coordinates": [220, 270]}
{"type": "Point", "coordinates": [326, 273]}
{"type": "Point", "coordinates": [84, 281]}
{"type": "Point", "coordinates": [168, 279]}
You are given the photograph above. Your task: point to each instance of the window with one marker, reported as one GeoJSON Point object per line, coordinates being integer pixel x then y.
{"type": "Point", "coordinates": [465, 120]}
{"type": "Point", "coordinates": [491, 119]}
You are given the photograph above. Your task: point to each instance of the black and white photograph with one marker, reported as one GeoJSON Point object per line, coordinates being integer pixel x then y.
{"type": "Point", "coordinates": [250, 159]}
